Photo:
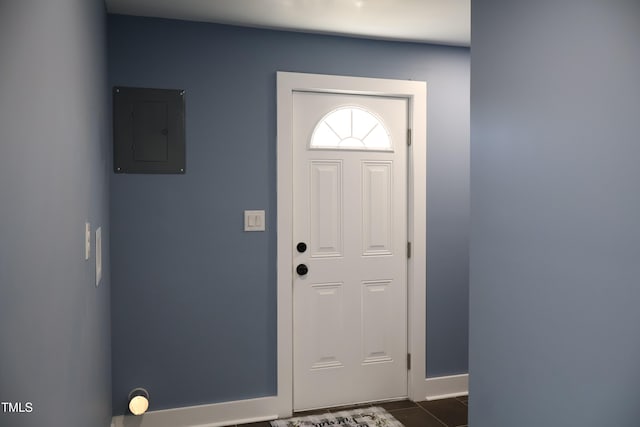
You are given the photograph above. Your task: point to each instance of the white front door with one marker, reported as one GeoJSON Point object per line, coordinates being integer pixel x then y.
{"type": "Point", "coordinates": [350, 249]}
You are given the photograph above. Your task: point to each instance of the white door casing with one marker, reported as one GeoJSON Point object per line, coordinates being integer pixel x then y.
{"type": "Point", "coordinates": [350, 211]}
{"type": "Point", "coordinates": [414, 95]}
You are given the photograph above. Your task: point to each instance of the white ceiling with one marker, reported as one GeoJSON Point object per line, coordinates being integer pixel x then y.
{"type": "Point", "coordinates": [425, 21]}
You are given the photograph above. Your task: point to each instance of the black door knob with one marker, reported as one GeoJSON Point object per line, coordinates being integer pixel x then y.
{"type": "Point", "coordinates": [302, 269]}
{"type": "Point", "coordinates": [301, 247]}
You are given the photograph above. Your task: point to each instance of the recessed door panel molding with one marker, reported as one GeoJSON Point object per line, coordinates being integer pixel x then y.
{"type": "Point", "coordinates": [326, 214]}
{"type": "Point", "coordinates": [376, 329]}
{"type": "Point", "coordinates": [325, 318]}
{"type": "Point", "coordinates": [377, 202]}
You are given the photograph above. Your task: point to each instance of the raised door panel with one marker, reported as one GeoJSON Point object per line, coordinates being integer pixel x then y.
{"type": "Point", "coordinates": [324, 321]}
{"type": "Point", "coordinates": [377, 205]}
{"type": "Point", "coordinates": [326, 214]}
{"type": "Point", "coordinates": [377, 309]}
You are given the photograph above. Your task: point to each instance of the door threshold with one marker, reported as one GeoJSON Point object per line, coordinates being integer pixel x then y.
{"type": "Point", "coordinates": [346, 407]}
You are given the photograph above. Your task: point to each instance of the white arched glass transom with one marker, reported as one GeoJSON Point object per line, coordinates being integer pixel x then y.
{"type": "Point", "coordinates": [351, 128]}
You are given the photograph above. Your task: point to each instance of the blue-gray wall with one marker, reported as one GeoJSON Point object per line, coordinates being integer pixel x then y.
{"type": "Point", "coordinates": [555, 211]}
{"type": "Point", "coordinates": [54, 158]}
{"type": "Point", "coordinates": [194, 297]}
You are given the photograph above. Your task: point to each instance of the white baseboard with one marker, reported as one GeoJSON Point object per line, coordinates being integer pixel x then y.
{"type": "Point", "coordinates": [213, 415]}
{"type": "Point", "coordinates": [264, 408]}
{"type": "Point", "coordinates": [446, 387]}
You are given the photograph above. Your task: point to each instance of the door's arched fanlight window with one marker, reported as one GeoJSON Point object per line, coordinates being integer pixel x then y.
{"type": "Point", "coordinates": [351, 128]}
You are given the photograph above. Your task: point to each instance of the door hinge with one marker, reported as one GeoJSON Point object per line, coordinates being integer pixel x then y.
{"type": "Point", "coordinates": [408, 249]}
{"type": "Point", "coordinates": [408, 361]}
{"type": "Point", "coordinates": [408, 136]}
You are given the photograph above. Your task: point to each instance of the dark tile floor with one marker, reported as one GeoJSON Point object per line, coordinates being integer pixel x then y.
{"type": "Point", "coordinates": [437, 413]}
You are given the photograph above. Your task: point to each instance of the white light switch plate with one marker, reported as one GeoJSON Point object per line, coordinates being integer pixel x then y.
{"type": "Point", "coordinates": [253, 220]}
{"type": "Point", "coordinates": [87, 240]}
{"type": "Point", "coordinates": [98, 255]}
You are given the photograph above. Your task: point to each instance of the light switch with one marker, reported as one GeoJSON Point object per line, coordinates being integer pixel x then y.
{"type": "Point", "coordinates": [98, 255]}
{"type": "Point", "coordinates": [253, 220]}
{"type": "Point", "coordinates": [87, 240]}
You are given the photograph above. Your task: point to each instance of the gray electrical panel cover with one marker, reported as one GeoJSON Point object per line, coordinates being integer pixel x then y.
{"type": "Point", "coordinates": [148, 130]}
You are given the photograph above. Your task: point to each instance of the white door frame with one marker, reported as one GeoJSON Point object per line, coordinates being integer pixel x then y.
{"type": "Point", "coordinates": [416, 93]}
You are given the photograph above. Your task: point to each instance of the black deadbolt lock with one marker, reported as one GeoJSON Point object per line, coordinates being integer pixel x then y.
{"type": "Point", "coordinates": [302, 269]}
{"type": "Point", "coordinates": [301, 247]}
